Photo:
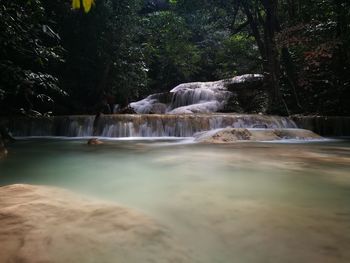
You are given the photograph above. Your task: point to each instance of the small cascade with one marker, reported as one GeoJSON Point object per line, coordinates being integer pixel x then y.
{"type": "Point", "coordinates": [146, 125]}
{"type": "Point", "coordinates": [70, 126]}
{"type": "Point", "coordinates": [198, 97]}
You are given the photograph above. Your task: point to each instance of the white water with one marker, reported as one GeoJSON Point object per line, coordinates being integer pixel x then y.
{"type": "Point", "coordinates": [194, 97]}
{"type": "Point", "coordinates": [145, 106]}
{"type": "Point", "coordinates": [198, 97]}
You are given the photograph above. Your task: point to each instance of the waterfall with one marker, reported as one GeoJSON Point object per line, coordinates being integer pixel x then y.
{"type": "Point", "coordinates": [70, 126]}
{"type": "Point", "coordinates": [145, 125]}
{"type": "Point", "coordinates": [196, 97]}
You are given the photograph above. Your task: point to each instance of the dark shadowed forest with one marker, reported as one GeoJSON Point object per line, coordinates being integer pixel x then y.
{"type": "Point", "coordinates": [58, 60]}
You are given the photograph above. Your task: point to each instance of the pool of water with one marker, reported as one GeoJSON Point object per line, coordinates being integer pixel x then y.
{"type": "Point", "coordinates": [243, 202]}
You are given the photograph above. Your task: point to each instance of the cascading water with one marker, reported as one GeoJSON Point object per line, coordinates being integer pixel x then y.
{"type": "Point", "coordinates": [187, 109]}
{"type": "Point", "coordinates": [194, 97]}
{"type": "Point", "coordinates": [199, 97]}
{"type": "Point", "coordinates": [145, 125]}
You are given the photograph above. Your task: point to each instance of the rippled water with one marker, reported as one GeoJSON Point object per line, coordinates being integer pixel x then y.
{"type": "Point", "coordinates": [245, 202]}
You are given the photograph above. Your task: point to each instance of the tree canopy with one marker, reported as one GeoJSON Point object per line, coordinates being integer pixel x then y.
{"type": "Point", "coordinates": [78, 56]}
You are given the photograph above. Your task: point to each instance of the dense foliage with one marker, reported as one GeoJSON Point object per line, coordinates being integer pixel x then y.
{"type": "Point", "coordinates": [30, 54]}
{"type": "Point", "coordinates": [100, 53]}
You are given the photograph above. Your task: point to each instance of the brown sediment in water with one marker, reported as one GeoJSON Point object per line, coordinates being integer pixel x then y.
{"type": "Point", "coordinates": [45, 224]}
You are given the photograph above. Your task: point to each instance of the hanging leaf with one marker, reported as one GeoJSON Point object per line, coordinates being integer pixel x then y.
{"type": "Point", "coordinates": [76, 4]}
{"type": "Point", "coordinates": [86, 4]}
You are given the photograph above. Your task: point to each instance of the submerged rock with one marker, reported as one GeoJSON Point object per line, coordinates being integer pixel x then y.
{"type": "Point", "coordinates": [94, 141]}
{"type": "Point", "coordinates": [51, 225]}
{"type": "Point", "coordinates": [229, 135]}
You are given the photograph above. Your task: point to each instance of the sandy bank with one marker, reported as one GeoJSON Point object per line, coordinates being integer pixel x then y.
{"type": "Point", "coordinates": [44, 224]}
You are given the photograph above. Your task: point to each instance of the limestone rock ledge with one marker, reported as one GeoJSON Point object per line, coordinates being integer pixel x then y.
{"type": "Point", "coordinates": [46, 224]}
{"type": "Point", "coordinates": [230, 135]}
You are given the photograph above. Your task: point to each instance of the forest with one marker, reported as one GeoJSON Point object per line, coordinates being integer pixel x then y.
{"type": "Point", "coordinates": [59, 60]}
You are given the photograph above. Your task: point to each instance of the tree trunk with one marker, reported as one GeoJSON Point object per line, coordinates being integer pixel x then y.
{"type": "Point", "coordinates": [272, 54]}
{"type": "Point", "coordinates": [291, 74]}
{"type": "Point", "coordinates": [255, 30]}
{"type": "Point", "coordinates": [102, 85]}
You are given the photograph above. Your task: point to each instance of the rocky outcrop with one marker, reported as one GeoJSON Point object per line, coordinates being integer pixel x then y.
{"type": "Point", "coordinates": [248, 94]}
{"type": "Point", "coordinates": [45, 224]}
{"type": "Point", "coordinates": [127, 110]}
{"type": "Point", "coordinates": [230, 135]}
{"type": "Point", "coordinates": [244, 93]}
{"type": "Point", "coordinates": [94, 141]}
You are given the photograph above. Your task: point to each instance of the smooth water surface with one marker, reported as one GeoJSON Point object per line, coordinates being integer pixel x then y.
{"type": "Point", "coordinates": [244, 202]}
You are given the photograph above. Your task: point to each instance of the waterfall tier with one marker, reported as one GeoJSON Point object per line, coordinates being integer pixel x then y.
{"type": "Point", "coordinates": [203, 97]}
{"type": "Point", "coordinates": [144, 125]}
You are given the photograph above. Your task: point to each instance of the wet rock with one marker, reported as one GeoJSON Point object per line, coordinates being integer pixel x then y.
{"type": "Point", "coordinates": [229, 135]}
{"type": "Point", "coordinates": [94, 141]}
{"type": "Point", "coordinates": [299, 134]}
{"type": "Point", "coordinates": [247, 81]}
{"type": "Point", "coordinates": [51, 225]}
{"type": "Point", "coordinates": [248, 95]}
{"type": "Point", "coordinates": [223, 136]}
{"type": "Point", "coordinates": [127, 110]}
